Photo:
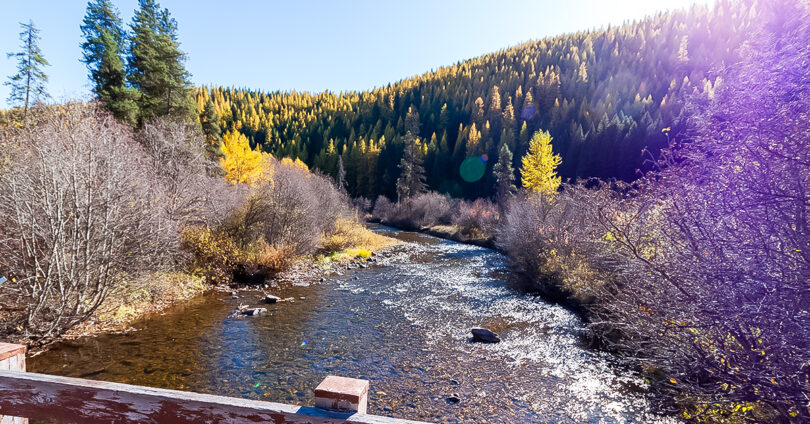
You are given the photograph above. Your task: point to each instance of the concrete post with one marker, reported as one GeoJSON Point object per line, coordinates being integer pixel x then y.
{"type": "Point", "coordinates": [342, 394]}
{"type": "Point", "coordinates": [12, 358]}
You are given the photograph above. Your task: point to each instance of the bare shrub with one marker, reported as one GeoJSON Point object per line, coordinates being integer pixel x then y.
{"type": "Point", "coordinates": [362, 205]}
{"type": "Point", "coordinates": [79, 210]}
{"type": "Point", "coordinates": [553, 245]}
{"type": "Point", "coordinates": [477, 219]}
{"type": "Point", "coordinates": [384, 210]}
{"type": "Point", "coordinates": [700, 277]}
{"type": "Point", "coordinates": [714, 253]}
{"type": "Point", "coordinates": [178, 157]}
{"type": "Point", "coordinates": [429, 209]}
{"type": "Point", "coordinates": [421, 211]}
{"type": "Point", "coordinates": [288, 217]}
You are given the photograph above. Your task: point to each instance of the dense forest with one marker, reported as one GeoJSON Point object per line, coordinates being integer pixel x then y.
{"type": "Point", "coordinates": [603, 95]}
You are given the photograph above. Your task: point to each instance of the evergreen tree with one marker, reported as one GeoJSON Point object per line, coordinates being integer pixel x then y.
{"type": "Point", "coordinates": [102, 52]}
{"type": "Point", "coordinates": [504, 174]}
{"type": "Point", "coordinates": [411, 179]}
{"type": "Point", "coordinates": [539, 170]}
{"type": "Point", "coordinates": [28, 84]}
{"type": "Point", "coordinates": [209, 120]}
{"type": "Point", "coordinates": [156, 64]}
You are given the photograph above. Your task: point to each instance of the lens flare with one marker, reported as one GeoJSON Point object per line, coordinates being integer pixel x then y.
{"type": "Point", "coordinates": [472, 169]}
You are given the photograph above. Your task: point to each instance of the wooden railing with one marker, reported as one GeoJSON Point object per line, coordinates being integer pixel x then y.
{"type": "Point", "coordinates": [74, 400]}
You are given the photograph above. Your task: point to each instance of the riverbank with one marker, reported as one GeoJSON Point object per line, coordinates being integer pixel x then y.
{"type": "Point", "coordinates": [447, 232]}
{"type": "Point", "coordinates": [143, 298]}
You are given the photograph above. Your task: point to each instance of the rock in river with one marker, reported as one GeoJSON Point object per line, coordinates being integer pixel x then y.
{"type": "Point", "coordinates": [254, 312]}
{"type": "Point", "coordinates": [269, 298]}
{"type": "Point", "coordinates": [482, 335]}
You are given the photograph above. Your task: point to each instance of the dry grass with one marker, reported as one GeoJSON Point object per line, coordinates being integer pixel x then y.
{"type": "Point", "coordinates": [352, 240]}
{"type": "Point", "coordinates": [352, 235]}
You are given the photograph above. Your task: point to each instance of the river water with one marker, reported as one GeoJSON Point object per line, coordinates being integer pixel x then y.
{"type": "Point", "coordinates": [402, 323]}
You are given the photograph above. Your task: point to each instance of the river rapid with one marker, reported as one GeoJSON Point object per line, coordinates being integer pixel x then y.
{"type": "Point", "coordinates": [403, 323]}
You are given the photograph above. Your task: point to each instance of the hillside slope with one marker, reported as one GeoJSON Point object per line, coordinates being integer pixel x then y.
{"type": "Point", "coordinates": [604, 95]}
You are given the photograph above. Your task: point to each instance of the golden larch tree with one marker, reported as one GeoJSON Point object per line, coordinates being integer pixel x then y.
{"type": "Point", "coordinates": [539, 166]}
{"type": "Point", "coordinates": [242, 164]}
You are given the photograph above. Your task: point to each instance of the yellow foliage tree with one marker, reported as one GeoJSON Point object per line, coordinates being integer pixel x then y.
{"type": "Point", "coordinates": [297, 163]}
{"type": "Point", "coordinates": [539, 166]}
{"type": "Point", "coordinates": [242, 164]}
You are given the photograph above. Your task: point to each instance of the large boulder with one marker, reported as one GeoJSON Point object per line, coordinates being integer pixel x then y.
{"type": "Point", "coordinates": [482, 335]}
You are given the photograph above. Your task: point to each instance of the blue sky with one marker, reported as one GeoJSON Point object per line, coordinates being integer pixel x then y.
{"type": "Point", "coordinates": [317, 45]}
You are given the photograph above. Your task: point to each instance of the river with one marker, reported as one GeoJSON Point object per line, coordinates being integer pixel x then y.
{"type": "Point", "coordinates": [403, 323]}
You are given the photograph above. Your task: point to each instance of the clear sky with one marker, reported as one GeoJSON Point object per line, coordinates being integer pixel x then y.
{"type": "Point", "coordinates": [317, 45]}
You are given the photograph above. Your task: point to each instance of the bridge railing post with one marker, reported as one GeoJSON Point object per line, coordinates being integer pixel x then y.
{"type": "Point", "coordinates": [342, 394]}
{"type": "Point", "coordinates": [12, 358]}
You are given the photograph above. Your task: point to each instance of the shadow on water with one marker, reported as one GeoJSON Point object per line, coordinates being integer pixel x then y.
{"type": "Point", "coordinates": [403, 324]}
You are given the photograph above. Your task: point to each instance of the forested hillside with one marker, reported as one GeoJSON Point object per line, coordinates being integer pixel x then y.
{"type": "Point", "coordinates": [603, 95]}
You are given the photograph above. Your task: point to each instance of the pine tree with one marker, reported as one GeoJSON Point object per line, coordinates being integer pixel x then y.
{"type": "Point", "coordinates": [209, 120]}
{"type": "Point", "coordinates": [539, 170]}
{"type": "Point", "coordinates": [28, 84]}
{"type": "Point", "coordinates": [102, 52]}
{"type": "Point", "coordinates": [411, 179]}
{"type": "Point", "coordinates": [412, 123]}
{"type": "Point", "coordinates": [156, 64]}
{"type": "Point", "coordinates": [504, 174]}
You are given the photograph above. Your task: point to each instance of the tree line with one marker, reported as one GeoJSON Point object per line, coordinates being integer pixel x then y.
{"type": "Point", "coordinates": [604, 96]}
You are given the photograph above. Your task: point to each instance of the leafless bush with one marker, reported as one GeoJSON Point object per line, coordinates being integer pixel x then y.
{"type": "Point", "coordinates": [79, 211]}
{"type": "Point", "coordinates": [293, 213]}
{"type": "Point", "coordinates": [429, 209]}
{"type": "Point", "coordinates": [714, 252]}
{"type": "Point", "coordinates": [362, 205]}
{"type": "Point", "coordinates": [424, 210]}
{"type": "Point", "coordinates": [477, 219]}
{"type": "Point", "coordinates": [194, 192]}
{"type": "Point", "coordinates": [384, 210]}
{"type": "Point", "coordinates": [700, 277]}
{"type": "Point", "coordinates": [553, 245]}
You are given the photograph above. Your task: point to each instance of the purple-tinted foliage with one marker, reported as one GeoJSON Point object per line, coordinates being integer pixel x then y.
{"type": "Point", "coordinates": [699, 274]}
{"type": "Point", "coordinates": [735, 253]}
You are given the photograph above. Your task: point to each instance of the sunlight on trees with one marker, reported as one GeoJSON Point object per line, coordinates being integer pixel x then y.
{"type": "Point", "coordinates": [242, 165]}
{"type": "Point", "coordinates": [539, 170]}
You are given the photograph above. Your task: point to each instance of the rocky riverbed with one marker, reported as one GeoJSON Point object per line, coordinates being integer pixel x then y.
{"type": "Point", "coordinates": [402, 320]}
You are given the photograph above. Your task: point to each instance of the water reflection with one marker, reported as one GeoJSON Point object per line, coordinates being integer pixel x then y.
{"type": "Point", "coordinates": [404, 325]}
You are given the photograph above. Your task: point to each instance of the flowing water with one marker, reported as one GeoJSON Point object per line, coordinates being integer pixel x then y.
{"type": "Point", "coordinates": [402, 323]}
